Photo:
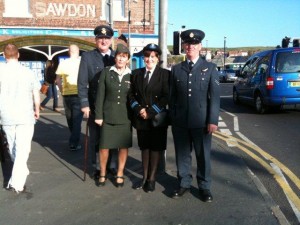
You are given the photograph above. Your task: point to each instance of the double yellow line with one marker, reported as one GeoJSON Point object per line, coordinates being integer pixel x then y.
{"type": "Point", "coordinates": [245, 146]}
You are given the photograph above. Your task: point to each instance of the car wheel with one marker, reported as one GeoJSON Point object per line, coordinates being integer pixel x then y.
{"type": "Point", "coordinates": [259, 104]}
{"type": "Point", "coordinates": [224, 80]}
{"type": "Point", "coordinates": [235, 97]}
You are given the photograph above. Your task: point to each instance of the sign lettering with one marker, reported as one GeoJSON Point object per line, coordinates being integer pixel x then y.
{"type": "Point", "coordinates": [65, 10]}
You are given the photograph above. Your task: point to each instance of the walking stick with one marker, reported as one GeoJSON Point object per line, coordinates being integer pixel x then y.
{"type": "Point", "coordinates": [86, 149]}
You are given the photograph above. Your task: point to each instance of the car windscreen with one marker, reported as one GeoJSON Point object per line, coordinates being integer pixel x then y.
{"type": "Point", "coordinates": [287, 62]}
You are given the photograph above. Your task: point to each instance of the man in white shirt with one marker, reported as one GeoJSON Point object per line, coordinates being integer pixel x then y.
{"type": "Point", "coordinates": [19, 110]}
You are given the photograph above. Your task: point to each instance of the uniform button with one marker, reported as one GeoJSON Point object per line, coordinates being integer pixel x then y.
{"type": "Point", "coordinates": [118, 103]}
{"type": "Point", "coordinates": [190, 74]}
{"type": "Point", "coordinates": [190, 89]}
{"type": "Point", "coordinates": [119, 90]}
{"type": "Point", "coordinates": [190, 95]}
{"type": "Point", "coordinates": [120, 85]}
{"type": "Point", "coordinates": [118, 96]}
{"type": "Point", "coordinates": [190, 82]}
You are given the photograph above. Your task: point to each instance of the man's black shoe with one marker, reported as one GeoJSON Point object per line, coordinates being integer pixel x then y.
{"type": "Point", "coordinates": [205, 195]}
{"type": "Point", "coordinates": [179, 193]}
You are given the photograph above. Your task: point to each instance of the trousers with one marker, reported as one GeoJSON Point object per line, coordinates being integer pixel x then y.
{"type": "Point", "coordinates": [185, 140]}
{"type": "Point", "coordinates": [19, 139]}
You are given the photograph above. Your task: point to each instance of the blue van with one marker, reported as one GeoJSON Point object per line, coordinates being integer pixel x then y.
{"type": "Point", "coordinates": [269, 79]}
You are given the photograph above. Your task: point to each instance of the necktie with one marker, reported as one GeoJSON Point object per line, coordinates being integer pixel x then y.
{"type": "Point", "coordinates": [146, 78]}
{"type": "Point", "coordinates": [191, 65]}
{"type": "Point", "coordinates": [106, 60]}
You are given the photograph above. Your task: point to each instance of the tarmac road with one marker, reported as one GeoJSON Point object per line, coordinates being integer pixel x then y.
{"type": "Point", "coordinates": [57, 193]}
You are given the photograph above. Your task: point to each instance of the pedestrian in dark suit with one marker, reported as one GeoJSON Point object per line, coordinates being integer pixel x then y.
{"type": "Point", "coordinates": [194, 110]}
{"type": "Point", "coordinates": [148, 96]}
{"type": "Point", "coordinates": [112, 114]}
{"type": "Point", "coordinates": [91, 65]}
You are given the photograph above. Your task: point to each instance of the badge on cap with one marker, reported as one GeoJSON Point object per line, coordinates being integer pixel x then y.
{"type": "Point", "coordinates": [103, 31]}
{"type": "Point", "coordinates": [192, 35]}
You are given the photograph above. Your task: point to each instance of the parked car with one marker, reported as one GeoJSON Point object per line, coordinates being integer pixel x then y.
{"type": "Point", "coordinates": [222, 77]}
{"type": "Point", "coordinates": [227, 75]}
{"type": "Point", "coordinates": [269, 79]}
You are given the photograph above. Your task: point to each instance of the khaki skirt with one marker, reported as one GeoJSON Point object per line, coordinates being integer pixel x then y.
{"type": "Point", "coordinates": [115, 136]}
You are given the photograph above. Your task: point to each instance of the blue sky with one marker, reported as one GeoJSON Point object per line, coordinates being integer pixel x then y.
{"type": "Point", "coordinates": [245, 23]}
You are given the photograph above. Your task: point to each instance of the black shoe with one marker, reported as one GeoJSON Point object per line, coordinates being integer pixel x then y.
{"type": "Point", "coordinates": [119, 184]}
{"type": "Point", "coordinates": [101, 183]}
{"type": "Point", "coordinates": [96, 174]}
{"type": "Point", "coordinates": [5, 184]}
{"type": "Point", "coordinates": [10, 188]}
{"type": "Point", "coordinates": [139, 185]}
{"type": "Point", "coordinates": [149, 186]}
{"type": "Point", "coordinates": [205, 195]}
{"type": "Point", "coordinates": [179, 193]}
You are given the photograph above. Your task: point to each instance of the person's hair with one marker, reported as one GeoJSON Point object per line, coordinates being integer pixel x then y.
{"type": "Point", "coordinates": [11, 51]}
{"type": "Point", "coordinates": [73, 49]}
{"type": "Point", "coordinates": [123, 54]}
{"type": "Point", "coordinates": [147, 53]}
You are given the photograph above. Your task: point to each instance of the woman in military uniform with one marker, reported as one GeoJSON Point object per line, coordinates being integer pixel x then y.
{"type": "Point", "coordinates": [148, 96]}
{"type": "Point", "coordinates": [112, 114]}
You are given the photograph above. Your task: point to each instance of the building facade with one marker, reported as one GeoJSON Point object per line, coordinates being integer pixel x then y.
{"type": "Point", "coordinates": [47, 27]}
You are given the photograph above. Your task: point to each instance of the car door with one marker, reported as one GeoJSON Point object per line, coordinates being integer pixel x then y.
{"type": "Point", "coordinates": [243, 84]}
{"type": "Point", "coordinates": [256, 82]}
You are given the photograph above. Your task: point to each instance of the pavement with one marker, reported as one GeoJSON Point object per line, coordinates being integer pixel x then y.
{"type": "Point", "coordinates": [57, 193]}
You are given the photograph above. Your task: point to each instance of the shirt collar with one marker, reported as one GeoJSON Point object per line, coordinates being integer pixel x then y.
{"type": "Point", "coordinates": [106, 53]}
{"type": "Point", "coordinates": [126, 71]}
{"type": "Point", "coordinates": [194, 61]}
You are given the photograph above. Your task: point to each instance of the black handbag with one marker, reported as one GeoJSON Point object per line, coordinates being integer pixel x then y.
{"type": "Point", "coordinates": [161, 119]}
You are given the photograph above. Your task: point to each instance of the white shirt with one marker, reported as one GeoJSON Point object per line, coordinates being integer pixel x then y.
{"type": "Point", "coordinates": [17, 84]}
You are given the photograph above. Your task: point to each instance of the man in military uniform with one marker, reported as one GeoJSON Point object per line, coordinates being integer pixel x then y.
{"type": "Point", "coordinates": [91, 65]}
{"type": "Point", "coordinates": [194, 110]}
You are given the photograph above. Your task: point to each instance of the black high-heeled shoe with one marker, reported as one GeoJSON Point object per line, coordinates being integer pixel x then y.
{"type": "Point", "coordinates": [101, 183]}
{"type": "Point", "coordinates": [139, 185]}
{"type": "Point", "coordinates": [119, 184]}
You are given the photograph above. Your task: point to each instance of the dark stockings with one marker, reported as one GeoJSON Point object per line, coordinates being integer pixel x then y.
{"type": "Point", "coordinates": [150, 160]}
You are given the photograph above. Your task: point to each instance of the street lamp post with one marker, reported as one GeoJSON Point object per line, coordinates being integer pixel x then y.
{"type": "Point", "coordinates": [224, 51]}
{"type": "Point", "coordinates": [129, 14]}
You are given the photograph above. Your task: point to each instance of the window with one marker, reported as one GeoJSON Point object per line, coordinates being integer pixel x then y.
{"type": "Point", "coordinates": [288, 62]}
{"type": "Point", "coordinates": [118, 10]}
{"type": "Point", "coordinates": [263, 66]}
{"type": "Point", "coordinates": [22, 11]}
{"type": "Point", "coordinates": [249, 67]}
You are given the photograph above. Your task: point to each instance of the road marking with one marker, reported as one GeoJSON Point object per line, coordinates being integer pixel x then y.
{"type": "Point", "coordinates": [222, 124]}
{"type": "Point", "coordinates": [278, 171]}
{"type": "Point", "coordinates": [279, 179]}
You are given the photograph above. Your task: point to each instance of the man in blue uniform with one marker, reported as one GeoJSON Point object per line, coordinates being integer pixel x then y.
{"type": "Point", "coordinates": [91, 65]}
{"type": "Point", "coordinates": [194, 110]}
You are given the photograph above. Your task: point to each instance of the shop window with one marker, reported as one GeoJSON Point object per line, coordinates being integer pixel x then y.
{"type": "Point", "coordinates": [118, 10]}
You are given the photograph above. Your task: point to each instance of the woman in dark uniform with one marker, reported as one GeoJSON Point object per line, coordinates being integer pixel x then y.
{"type": "Point", "coordinates": [112, 114]}
{"type": "Point", "coordinates": [148, 96]}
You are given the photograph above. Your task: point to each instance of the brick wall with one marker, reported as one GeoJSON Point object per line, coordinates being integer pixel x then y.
{"type": "Point", "coordinates": [76, 15]}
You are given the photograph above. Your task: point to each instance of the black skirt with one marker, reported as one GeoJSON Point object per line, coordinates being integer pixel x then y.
{"type": "Point", "coordinates": [154, 139]}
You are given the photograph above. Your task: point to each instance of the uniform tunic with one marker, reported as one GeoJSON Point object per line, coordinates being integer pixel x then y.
{"type": "Point", "coordinates": [112, 107]}
{"type": "Point", "coordinates": [194, 103]}
{"type": "Point", "coordinates": [154, 98]}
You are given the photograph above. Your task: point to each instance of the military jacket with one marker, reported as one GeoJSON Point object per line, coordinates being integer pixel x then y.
{"type": "Point", "coordinates": [91, 65]}
{"type": "Point", "coordinates": [111, 101]}
{"type": "Point", "coordinates": [194, 95]}
{"type": "Point", "coordinates": [153, 96]}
